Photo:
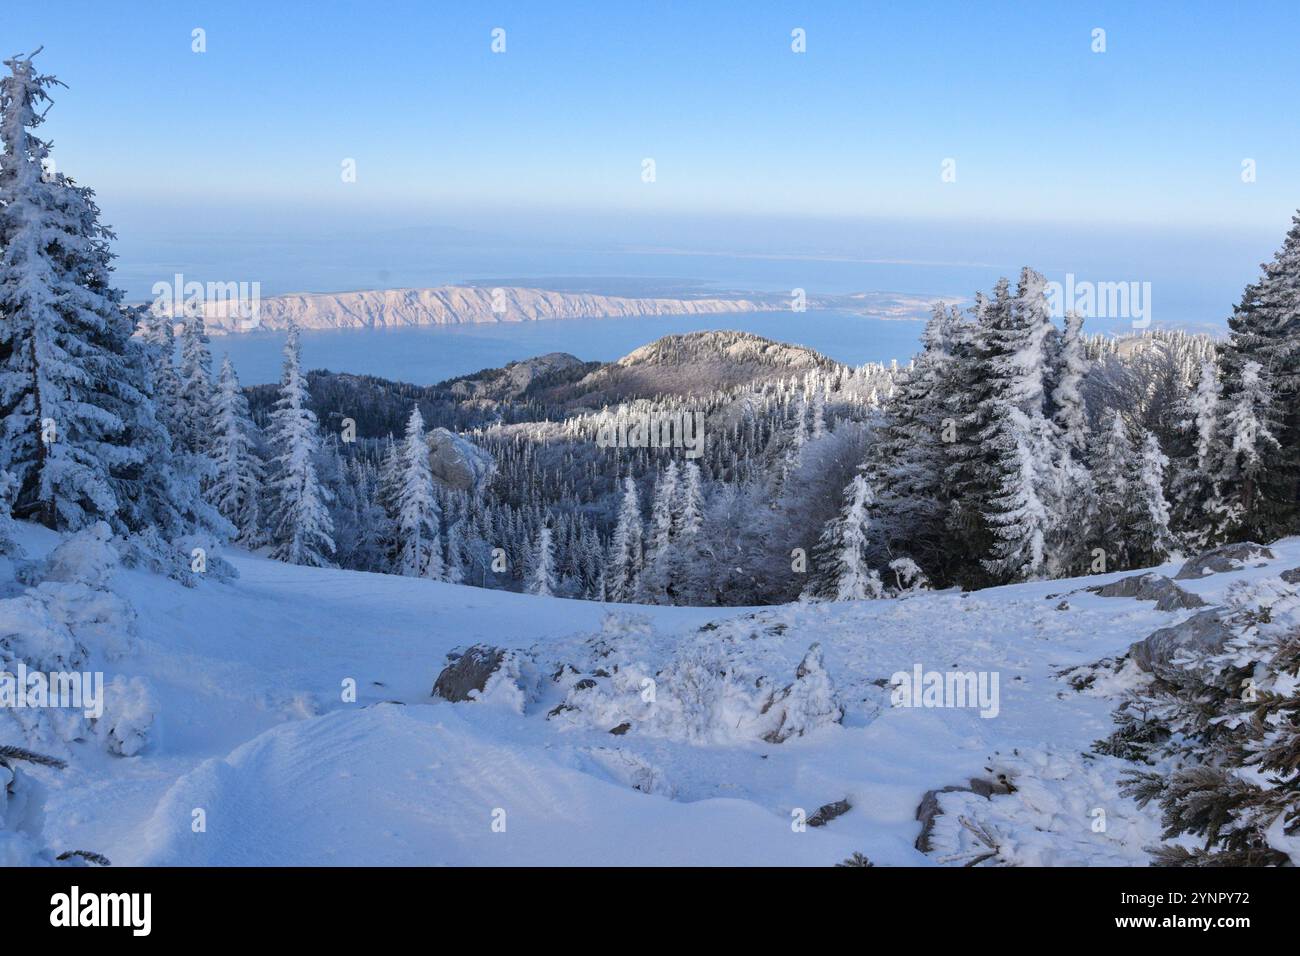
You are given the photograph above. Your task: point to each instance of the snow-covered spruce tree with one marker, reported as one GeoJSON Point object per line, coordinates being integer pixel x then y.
{"type": "Point", "coordinates": [158, 330]}
{"type": "Point", "coordinates": [302, 532]}
{"type": "Point", "coordinates": [418, 517]}
{"type": "Point", "coordinates": [1265, 332]}
{"type": "Point", "coordinates": [193, 420]}
{"type": "Point", "coordinates": [1017, 514]}
{"type": "Point", "coordinates": [1022, 445]}
{"type": "Point", "coordinates": [1201, 515]}
{"type": "Point", "coordinates": [1220, 731]}
{"type": "Point", "coordinates": [63, 341]}
{"type": "Point", "coordinates": [686, 565]}
{"type": "Point", "coordinates": [1149, 539]}
{"type": "Point", "coordinates": [840, 569]}
{"type": "Point", "coordinates": [1112, 471]}
{"type": "Point", "coordinates": [626, 551]}
{"type": "Point", "coordinates": [906, 459]}
{"type": "Point", "coordinates": [160, 504]}
{"type": "Point", "coordinates": [1070, 411]}
{"type": "Point", "coordinates": [1250, 438]}
{"type": "Point", "coordinates": [656, 580]}
{"type": "Point", "coordinates": [238, 476]}
{"type": "Point", "coordinates": [541, 567]}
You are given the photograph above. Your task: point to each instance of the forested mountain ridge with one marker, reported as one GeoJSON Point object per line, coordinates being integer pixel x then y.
{"type": "Point", "coordinates": [556, 384]}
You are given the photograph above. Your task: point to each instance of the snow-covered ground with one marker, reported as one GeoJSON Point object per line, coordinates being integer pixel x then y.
{"type": "Point", "coordinates": [247, 683]}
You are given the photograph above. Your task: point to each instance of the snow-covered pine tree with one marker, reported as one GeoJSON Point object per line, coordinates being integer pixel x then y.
{"type": "Point", "coordinates": [1018, 515]}
{"type": "Point", "coordinates": [1023, 447]}
{"type": "Point", "coordinates": [1266, 332]}
{"type": "Point", "coordinates": [159, 497]}
{"type": "Point", "coordinates": [1112, 471]}
{"type": "Point", "coordinates": [541, 569]}
{"type": "Point", "coordinates": [656, 580]}
{"type": "Point", "coordinates": [238, 475]}
{"type": "Point", "coordinates": [158, 330]}
{"type": "Point", "coordinates": [907, 459]}
{"type": "Point", "coordinates": [418, 516]}
{"type": "Point", "coordinates": [688, 560]}
{"type": "Point", "coordinates": [1201, 516]}
{"type": "Point", "coordinates": [193, 420]}
{"type": "Point", "coordinates": [1252, 448]}
{"type": "Point", "coordinates": [1149, 539]}
{"type": "Point", "coordinates": [302, 532]}
{"type": "Point", "coordinates": [64, 383]}
{"type": "Point", "coordinates": [840, 569]}
{"type": "Point", "coordinates": [1070, 411]}
{"type": "Point", "coordinates": [456, 551]}
{"type": "Point", "coordinates": [626, 553]}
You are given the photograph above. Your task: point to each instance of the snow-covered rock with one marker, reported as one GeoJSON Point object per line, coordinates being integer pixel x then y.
{"type": "Point", "coordinates": [457, 462]}
{"type": "Point", "coordinates": [1203, 633]}
{"type": "Point", "coordinates": [1151, 587]}
{"type": "Point", "coordinates": [1228, 557]}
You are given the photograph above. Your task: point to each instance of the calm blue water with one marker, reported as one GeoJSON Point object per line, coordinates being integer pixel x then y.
{"type": "Point", "coordinates": [430, 354]}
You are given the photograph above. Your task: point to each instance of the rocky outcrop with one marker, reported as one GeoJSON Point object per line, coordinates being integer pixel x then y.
{"type": "Point", "coordinates": [1151, 587]}
{"type": "Point", "coordinates": [1228, 557]}
{"type": "Point", "coordinates": [1201, 634]}
{"type": "Point", "coordinates": [457, 462]}
{"type": "Point", "coordinates": [511, 381]}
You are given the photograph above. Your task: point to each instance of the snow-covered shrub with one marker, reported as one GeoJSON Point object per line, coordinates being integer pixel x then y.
{"type": "Point", "coordinates": [1060, 810]}
{"type": "Point", "coordinates": [908, 576]}
{"type": "Point", "coordinates": [33, 635]}
{"type": "Point", "coordinates": [806, 704]}
{"type": "Point", "coordinates": [631, 770]}
{"type": "Point", "coordinates": [1220, 728]}
{"type": "Point", "coordinates": [720, 686]}
{"type": "Point", "coordinates": [22, 816]}
{"type": "Point", "coordinates": [87, 557]}
{"type": "Point", "coordinates": [187, 560]}
{"type": "Point", "coordinates": [128, 718]}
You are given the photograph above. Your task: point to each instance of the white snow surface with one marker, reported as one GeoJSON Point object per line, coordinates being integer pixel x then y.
{"type": "Point", "coordinates": [244, 683]}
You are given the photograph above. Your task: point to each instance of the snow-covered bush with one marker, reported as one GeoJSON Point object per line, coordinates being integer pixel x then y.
{"type": "Point", "coordinates": [22, 816]}
{"type": "Point", "coordinates": [718, 686]}
{"type": "Point", "coordinates": [1042, 808]}
{"type": "Point", "coordinates": [1220, 727]}
{"type": "Point", "coordinates": [128, 718]}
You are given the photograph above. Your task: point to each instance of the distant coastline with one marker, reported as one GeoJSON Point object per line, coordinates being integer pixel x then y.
{"type": "Point", "coordinates": [484, 304]}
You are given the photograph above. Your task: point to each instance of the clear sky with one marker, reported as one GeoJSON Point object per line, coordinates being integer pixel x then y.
{"type": "Point", "coordinates": [1153, 131]}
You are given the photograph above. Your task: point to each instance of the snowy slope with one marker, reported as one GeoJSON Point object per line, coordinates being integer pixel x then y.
{"type": "Point", "coordinates": [252, 729]}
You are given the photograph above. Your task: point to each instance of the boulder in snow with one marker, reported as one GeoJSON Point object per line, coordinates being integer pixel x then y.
{"type": "Point", "coordinates": [468, 672]}
{"type": "Point", "coordinates": [1228, 557]}
{"type": "Point", "coordinates": [1151, 587]}
{"type": "Point", "coordinates": [1201, 634]}
{"type": "Point", "coordinates": [457, 462]}
{"type": "Point", "coordinates": [825, 814]}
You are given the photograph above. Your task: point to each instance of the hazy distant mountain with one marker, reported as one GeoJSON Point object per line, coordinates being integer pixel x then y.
{"type": "Point", "coordinates": [473, 304]}
{"type": "Point", "coordinates": [455, 305]}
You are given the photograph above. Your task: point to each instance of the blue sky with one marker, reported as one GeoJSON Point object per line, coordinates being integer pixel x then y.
{"type": "Point", "coordinates": [1043, 130]}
